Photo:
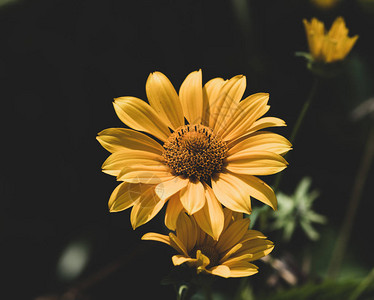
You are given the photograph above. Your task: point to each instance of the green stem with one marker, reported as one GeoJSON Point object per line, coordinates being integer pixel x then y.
{"type": "Point", "coordinates": [182, 292]}
{"type": "Point", "coordinates": [297, 126]}
{"type": "Point", "coordinates": [364, 284]}
{"type": "Point", "coordinates": [345, 231]}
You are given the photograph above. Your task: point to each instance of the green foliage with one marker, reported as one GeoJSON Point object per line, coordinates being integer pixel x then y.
{"type": "Point", "coordinates": [328, 290]}
{"type": "Point", "coordinates": [321, 69]}
{"type": "Point", "coordinates": [296, 211]}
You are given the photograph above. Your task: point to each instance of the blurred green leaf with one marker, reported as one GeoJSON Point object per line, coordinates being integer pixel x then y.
{"type": "Point", "coordinates": [324, 291]}
{"type": "Point", "coordinates": [295, 211]}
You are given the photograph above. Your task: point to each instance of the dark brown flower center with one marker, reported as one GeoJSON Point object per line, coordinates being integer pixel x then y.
{"type": "Point", "coordinates": [194, 151]}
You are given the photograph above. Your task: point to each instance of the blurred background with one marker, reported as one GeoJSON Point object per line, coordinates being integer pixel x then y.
{"type": "Point", "coordinates": [62, 63]}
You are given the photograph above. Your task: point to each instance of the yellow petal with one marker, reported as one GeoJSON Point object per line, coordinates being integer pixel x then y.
{"type": "Point", "coordinates": [347, 45]}
{"type": "Point", "coordinates": [230, 252]}
{"type": "Point", "coordinates": [247, 112]}
{"type": "Point", "coordinates": [145, 174]}
{"type": "Point", "coordinates": [338, 29]}
{"type": "Point", "coordinates": [172, 212]}
{"type": "Point", "coordinates": [146, 207]}
{"type": "Point", "coordinates": [177, 244]}
{"type": "Point", "coordinates": [210, 218]}
{"type": "Point", "coordinates": [232, 235]}
{"type": "Point", "coordinates": [252, 235]}
{"type": "Point", "coordinates": [232, 193]}
{"type": "Point", "coordinates": [202, 261]}
{"type": "Point", "coordinates": [143, 170]}
{"type": "Point", "coordinates": [180, 259]}
{"type": "Point", "coordinates": [151, 236]}
{"type": "Point", "coordinates": [315, 32]}
{"type": "Point", "coordinates": [120, 139]}
{"type": "Point", "coordinates": [260, 141]}
{"type": "Point", "coordinates": [211, 91]}
{"type": "Point", "coordinates": [258, 248]}
{"type": "Point", "coordinates": [255, 162]}
{"type": "Point", "coordinates": [138, 115]}
{"type": "Point", "coordinates": [242, 269]}
{"type": "Point", "coordinates": [186, 231]}
{"type": "Point", "coordinates": [123, 159]}
{"type": "Point", "coordinates": [253, 186]}
{"type": "Point", "coordinates": [191, 97]}
{"type": "Point", "coordinates": [221, 270]}
{"type": "Point", "coordinates": [122, 197]}
{"type": "Point", "coordinates": [244, 257]}
{"type": "Point", "coordinates": [193, 197]}
{"type": "Point", "coordinates": [228, 102]}
{"type": "Point", "coordinates": [265, 123]}
{"type": "Point", "coordinates": [164, 100]}
{"type": "Point", "coordinates": [168, 188]}
{"type": "Point", "coordinates": [228, 217]}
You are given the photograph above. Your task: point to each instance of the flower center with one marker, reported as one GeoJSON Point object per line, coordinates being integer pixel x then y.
{"type": "Point", "coordinates": [208, 251]}
{"type": "Point", "coordinates": [194, 151]}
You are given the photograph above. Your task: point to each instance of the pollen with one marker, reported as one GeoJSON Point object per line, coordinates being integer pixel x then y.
{"type": "Point", "coordinates": [195, 152]}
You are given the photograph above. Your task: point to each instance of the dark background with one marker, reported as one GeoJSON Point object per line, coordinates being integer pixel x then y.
{"type": "Point", "coordinates": [62, 63]}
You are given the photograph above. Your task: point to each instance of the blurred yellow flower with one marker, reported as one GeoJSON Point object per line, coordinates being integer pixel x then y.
{"type": "Point", "coordinates": [229, 256]}
{"type": "Point", "coordinates": [331, 46]}
{"type": "Point", "coordinates": [198, 164]}
{"type": "Point", "coordinates": [325, 4]}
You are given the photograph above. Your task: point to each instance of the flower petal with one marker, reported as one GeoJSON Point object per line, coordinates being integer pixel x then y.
{"type": "Point", "coordinates": [138, 115]}
{"type": "Point", "coordinates": [145, 174]}
{"type": "Point", "coordinates": [244, 257]}
{"type": "Point", "coordinates": [164, 100]}
{"type": "Point", "coordinates": [210, 92]}
{"type": "Point", "coordinates": [202, 261]}
{"type": "Point", "coordinates": [250, 186]}
{"type": "Point", "coordinates": [168, 188]}
{"type": "Point", "coordinates": [221, 270]}
{"type": "Point", "coordinates": [210, 218]}
{"type": "Point", "coordinates": [151, 236]}
{"type": "Point", "coordinates": [260, 141]}
{"type": "Point", "coordinates": [181, 259]}
{"type": "Point", "coordinates": [122, 197]}
{"type": "Point", "coordinates": [177, 244]}
{"type": "Point", "coordinates": [246, 113]}
{"type": "Point", "coordinates": [230, 252]}
{"type": "Point", "coordinates": [172, 212]}
{"type": "Point", "coordinates": [186, 230]}
{"type": "Point", "coordinates": [255, 162]}
{"type": "Point", "coordinates": [252, 235]}
{"type": "Point", "coordinates": [241, 269]}
{"type": "Point", "coordinates": [191, 97]}
{"type": "Point", "coordinates": [265, 123]}
{"type": "Point", "coordinates": [228, 102]}
{"type": "Point", "coordinates": [120, 139]}
{"type": "Point", "coordinates": [258, 248]}
{"type": "Point", "coordinates": [123, 159]}
{"type": "Point", "coordinates": [232, 235]}
{"type": "Point", "coordinates": [233, 194]}
{"type": "Point", "coordinates": [193, 197]}
{"type": "Point", "coordinates": [146, 207]}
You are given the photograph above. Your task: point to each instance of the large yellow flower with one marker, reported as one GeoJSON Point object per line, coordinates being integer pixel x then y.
{"type": "Point", "coordinates": [331, 46]}
{"type": "Point", "coordinates": [229, 256]}
{"type": "Point", "coordinates": [204, 151]}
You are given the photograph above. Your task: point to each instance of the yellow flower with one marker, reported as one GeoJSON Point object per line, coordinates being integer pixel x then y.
{"type": "Point", "coordinates": [198, 164]}
{"type": "Point", "coordinates": [325, 4]}
{"type": "Point", "coordinates": [328, 47]}
{"type": "Point", "coordinates": [229, 256]}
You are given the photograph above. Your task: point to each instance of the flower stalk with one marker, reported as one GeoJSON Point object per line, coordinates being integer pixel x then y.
{"type": "Point", "coordinates": [346, 229]}
{"type": "Point", "coordinates": [298, 124]}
